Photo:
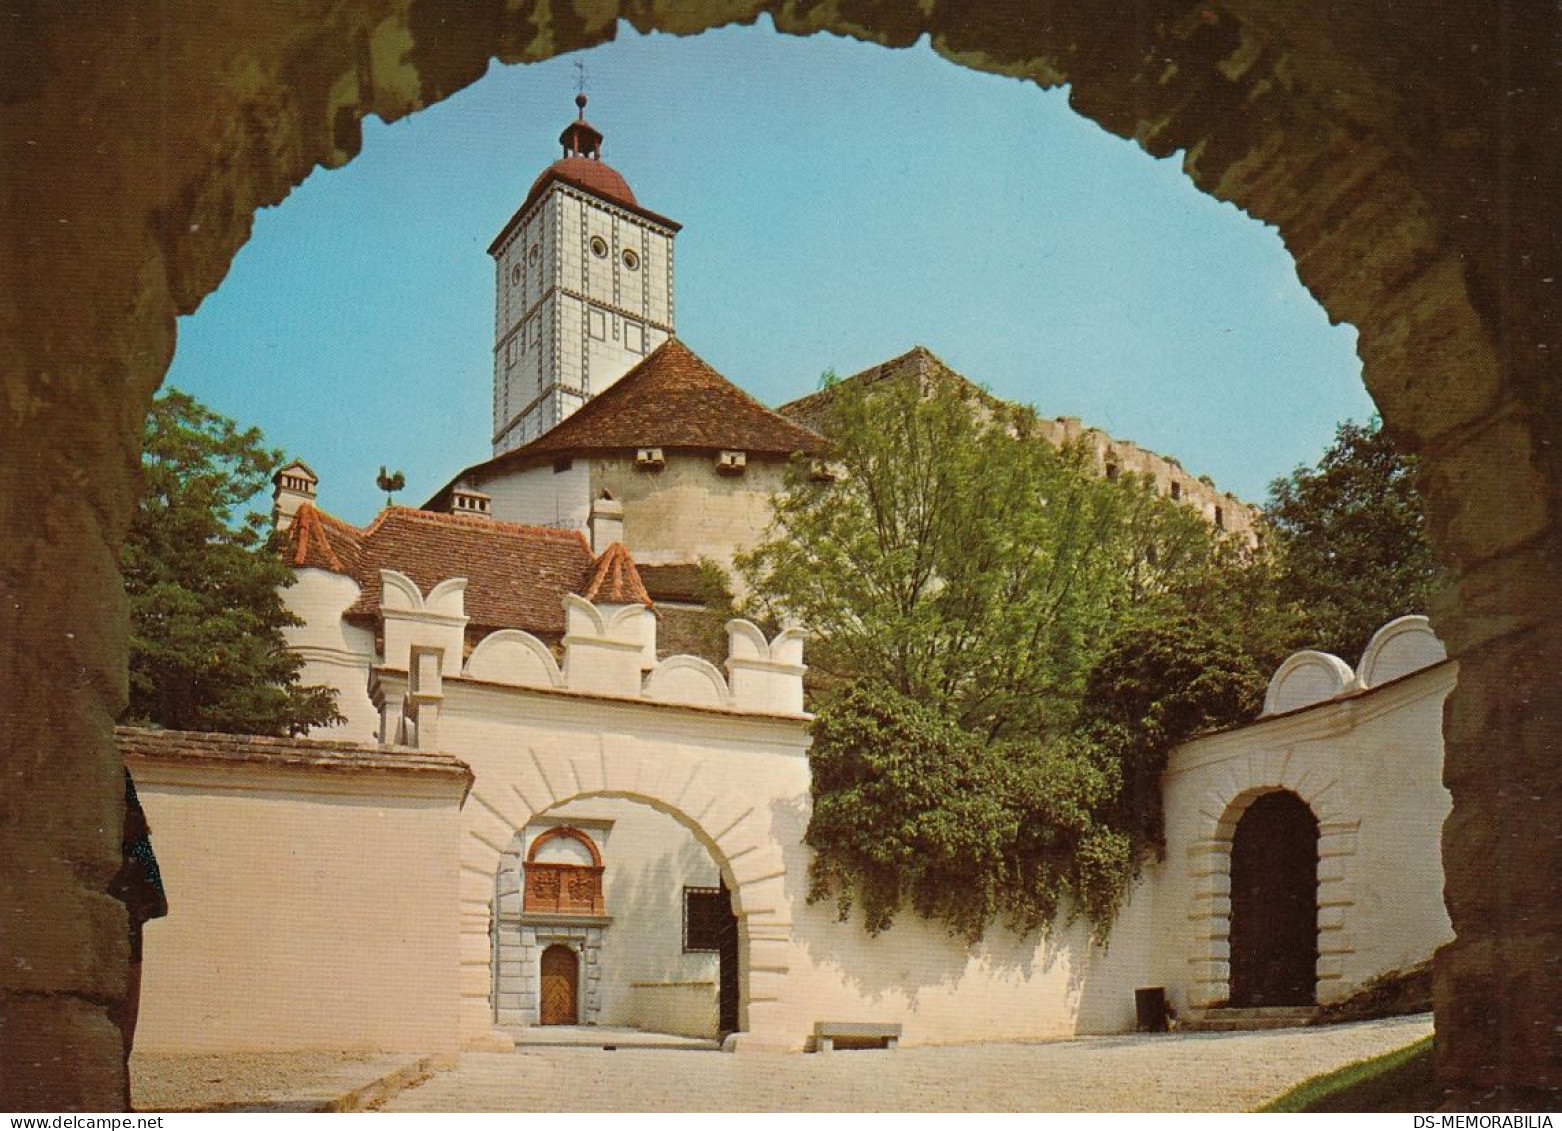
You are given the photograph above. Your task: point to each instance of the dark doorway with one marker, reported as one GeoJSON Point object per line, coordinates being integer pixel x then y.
{"type": "Point", "coordinates": [1274, 904]}
{"type": "Point", "coordinates": [727, 964]}
{"type": "Point", "coordinates": [560, 986]}
{"type": "Point", "coordinates": [709, 924]}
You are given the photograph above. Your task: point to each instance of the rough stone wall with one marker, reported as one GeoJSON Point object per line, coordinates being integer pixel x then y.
{"type": "Point", "coordinates": [1112, 456]}
{"type": "Point", "coordinates": [1408, 155]}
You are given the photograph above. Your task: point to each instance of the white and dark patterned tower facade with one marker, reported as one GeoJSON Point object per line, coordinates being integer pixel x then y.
{"type": "Point", "coordinates": [584, 289]}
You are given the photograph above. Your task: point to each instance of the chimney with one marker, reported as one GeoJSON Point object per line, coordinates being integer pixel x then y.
{"type": "Point", "coordinates": [294, 486]}
{"type": "Point", "coordinates": [607, 522]}
{"type": "Point", "coordinates": [464, 500]}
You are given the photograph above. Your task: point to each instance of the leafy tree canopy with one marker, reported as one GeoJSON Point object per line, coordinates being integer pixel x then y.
{"type": "Point", "coordinates": [962, 560]}
{"type": "Point", "coordinates": [970, 587]}
{"type": "Point", "coordinates": [206, 645]}
{"type": "Point", "coordinates": [1351, 538]}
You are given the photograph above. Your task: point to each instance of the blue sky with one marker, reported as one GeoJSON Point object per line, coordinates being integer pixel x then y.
{"type": "Point", "coordinates": [841, 202]}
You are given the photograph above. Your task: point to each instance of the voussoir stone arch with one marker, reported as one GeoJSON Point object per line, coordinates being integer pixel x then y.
{"type": "Point", "coordinates": [1209, 866]}
{"type": "Point", "coordinates": [732, 826]}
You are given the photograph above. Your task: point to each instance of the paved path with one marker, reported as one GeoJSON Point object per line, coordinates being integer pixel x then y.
{"type": "Point", "coordinates": [1180, 1072]}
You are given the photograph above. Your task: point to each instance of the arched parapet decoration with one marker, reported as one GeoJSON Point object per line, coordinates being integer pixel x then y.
{"type": "Point", "coordinates": [607, 649]}
{"type": "Point", "coordinates": [1208, 863]}
{"type": "Point", "coordinates": [1305, 678]}
{"type": "Point", "coordinates": [690, 680]}
{"type": "Point", "coordinates": [787, 646]}
{"type": "Point", "coordinates": [1402, 646]}
{"type": "Point", "coordinates": [582, 618]}
{"type": "Point", "coordinates": [514, 657]}
{"type": "Point", "coordinates": [399, 592]}
{"type": "Point", "coordinates": [432, 623]}
{"type": "Point", "coordinates": [745, 641]}
{"type": "Point", "coordinates": [765, 675]}
{"type": "Point", "coordinates": [733, 828]}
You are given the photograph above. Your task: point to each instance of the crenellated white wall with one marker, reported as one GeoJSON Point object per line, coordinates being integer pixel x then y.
{"type": "Point", "coordinates": [721, 757]}
{"type": "Point", "coordinates": [336, 654]}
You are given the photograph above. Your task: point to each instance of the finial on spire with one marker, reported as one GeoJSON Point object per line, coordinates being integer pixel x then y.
{"type": "Point", "coordinates": [580, 138]}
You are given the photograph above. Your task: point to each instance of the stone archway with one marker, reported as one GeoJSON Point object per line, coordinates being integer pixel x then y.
{"type": "Point", "coordinates": [1210, 862]}
{"type": "Point", "coordinates": [728, 824]}
{"type": "Point", "coordinates": [1407, 155]}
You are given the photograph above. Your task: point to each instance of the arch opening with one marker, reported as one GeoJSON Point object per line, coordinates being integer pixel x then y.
{"type": "Point", "coordinates": [654, 936]}
{"type": "Point", "coordinates": [1274, 903]}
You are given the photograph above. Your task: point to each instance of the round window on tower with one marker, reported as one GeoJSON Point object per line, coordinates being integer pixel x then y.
{"type": "Point", "coordinates": [599, 247]}
{"type": "Point", "coordinates": [515, 274]}
{"type": "Point", "coordinates": [533, 255]}
{"type": "Point", "coordinates": [631, 261]}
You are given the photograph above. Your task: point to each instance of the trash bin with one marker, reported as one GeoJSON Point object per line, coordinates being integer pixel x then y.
{"type": "Point", "coordinates": [1150, 1005]}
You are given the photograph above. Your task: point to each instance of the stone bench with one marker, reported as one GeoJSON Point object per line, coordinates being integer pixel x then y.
{"type": "Point", "coordinates": [826, 1033]}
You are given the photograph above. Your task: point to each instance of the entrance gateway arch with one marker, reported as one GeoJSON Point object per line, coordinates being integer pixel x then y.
{"type": "Point", "coordinates": [730, 815]}
{"type": "Point", "coordinates": [1406, 155]}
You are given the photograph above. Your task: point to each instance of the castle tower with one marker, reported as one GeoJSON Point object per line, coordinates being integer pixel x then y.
{"type": "Point", "coordinates": [583, 289]}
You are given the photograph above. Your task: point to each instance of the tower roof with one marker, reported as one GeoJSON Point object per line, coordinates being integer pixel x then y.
{"type": "Point", "coordinates": [673, 400]}
{"type": "Point", "coordinates": [582, 168]}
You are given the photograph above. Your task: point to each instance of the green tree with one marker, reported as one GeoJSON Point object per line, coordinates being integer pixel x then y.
{"type": "Point", "coordinates": [1193, 658]}
{"type": "Point", "coordinates": [206, 646]}
{"type": "Point", "coordinates": [962, 560]}
{"type": "Point", "coordinates": [1351, 538]}
{"type": "Point", "coordinates": [962, 578]}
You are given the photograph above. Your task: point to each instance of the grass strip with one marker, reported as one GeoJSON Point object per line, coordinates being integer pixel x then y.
{"type": "Point", "coordinates": [1402, 1080]}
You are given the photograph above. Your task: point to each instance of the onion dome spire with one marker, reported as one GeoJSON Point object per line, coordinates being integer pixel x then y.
{"type": "Point", "coordinates": [580, 138]}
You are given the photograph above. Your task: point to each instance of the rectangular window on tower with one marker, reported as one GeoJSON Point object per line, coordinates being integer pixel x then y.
{"type": "Point", "coordinates": [598, 323]}
{"type": "Point", "coordinates": [634, 336]}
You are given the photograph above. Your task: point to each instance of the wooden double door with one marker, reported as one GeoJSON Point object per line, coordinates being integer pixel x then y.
{"type": "Point", "coordinates": [560, 986]}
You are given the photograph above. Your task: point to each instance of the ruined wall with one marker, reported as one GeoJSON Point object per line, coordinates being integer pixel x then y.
{"type": "Point", "coordinates": [1407, 154]}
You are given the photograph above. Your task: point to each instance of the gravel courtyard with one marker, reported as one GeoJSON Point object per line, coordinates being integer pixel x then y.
{"type": "Point", "coordinates": [1178, 1072]}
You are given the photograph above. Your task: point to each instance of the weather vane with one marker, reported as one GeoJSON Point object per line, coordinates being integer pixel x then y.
{"type": "Point", "coordinates": [580, 76]}
{"type": "Point", "coordinates": [390, 482]}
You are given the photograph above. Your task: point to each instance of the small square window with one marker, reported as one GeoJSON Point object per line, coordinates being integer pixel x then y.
{"type": "Point", "coordinates": [634, 337]}
{"type": "Point", "coordinates": [707, 916]}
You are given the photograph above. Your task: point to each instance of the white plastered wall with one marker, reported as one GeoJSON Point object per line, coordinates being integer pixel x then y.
{"type": "Point", "coordinates": [541, 496]}
{"type": "Point", "coordinates": [1369, 766]}
{"type": "Point", "coordinates": [336, 654]}
{"type": "Point", "coordinates": [686, 511]}
{"type": "Point", "coordinates": [308, 909]}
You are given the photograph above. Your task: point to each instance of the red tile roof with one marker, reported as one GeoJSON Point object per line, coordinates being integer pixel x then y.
{"type": "Point", "coordinates": [671, 400]}
{"type": "Point", "coordinates": [321, 541]}
{"type": "Point", "coordinates": [591, 176]}
{"type": "Point", "coordinates": [614, 579]}
{"type": "Point", "coordinates": [516, 575]}
{"type": "Point", "coordinates": [686, 582]}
